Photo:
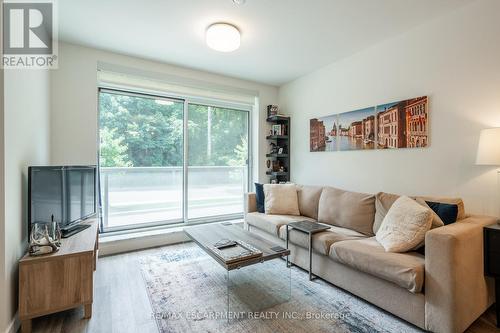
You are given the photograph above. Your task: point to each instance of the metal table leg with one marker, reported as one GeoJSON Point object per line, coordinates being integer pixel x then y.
{"type": "Point", "coordinates": [310, 257]}
{"type": "Point", "coordinates": [287, 260]}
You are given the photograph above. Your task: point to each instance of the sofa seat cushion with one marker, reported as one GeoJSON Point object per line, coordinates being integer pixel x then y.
{"type": "Point", "coordinates": [321, 241]}
{"type": "Point", "coordinates": [272, 223]}
{"type": "Point", "coordinates": [367, 255]}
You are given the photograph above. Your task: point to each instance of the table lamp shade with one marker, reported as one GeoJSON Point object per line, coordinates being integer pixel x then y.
{"type": "Point", "coordinates": [488, 151]}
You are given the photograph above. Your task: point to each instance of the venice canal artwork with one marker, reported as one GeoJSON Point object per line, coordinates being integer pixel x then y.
{"type": "Point", "coordinates": [401, 124]}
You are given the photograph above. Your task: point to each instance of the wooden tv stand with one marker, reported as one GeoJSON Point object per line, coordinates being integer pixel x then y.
{"type": "Point", "coordinates": [59, 281]}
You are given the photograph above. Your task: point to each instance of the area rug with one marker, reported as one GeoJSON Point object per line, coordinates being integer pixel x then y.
{"type": "Point", "coordinates": [188, 293]}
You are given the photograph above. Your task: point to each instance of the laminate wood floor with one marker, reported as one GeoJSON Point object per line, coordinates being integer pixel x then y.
{"type": "Point", "coordinates": [121, 303]}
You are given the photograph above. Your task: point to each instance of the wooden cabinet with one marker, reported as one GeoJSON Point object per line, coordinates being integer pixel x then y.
{"type": "Point", "coordinates": [60, 280]}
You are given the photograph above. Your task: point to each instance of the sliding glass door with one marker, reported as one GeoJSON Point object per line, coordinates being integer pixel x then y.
{"type": "Point", "coordinates": [217, 160]}
{"type": "Point", "coordinates": [144, 177]}
{"type": "Point", "coordinates": [141, 159]}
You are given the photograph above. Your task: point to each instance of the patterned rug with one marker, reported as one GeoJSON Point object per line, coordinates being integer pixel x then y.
{"type": "Point", "coordinates": [188, 293]}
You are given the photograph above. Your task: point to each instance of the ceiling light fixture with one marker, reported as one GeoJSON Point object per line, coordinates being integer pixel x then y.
{"type": "Point", "coordinates": [223, 37]}
{"type": "Point", "coordinates": [239, 2]}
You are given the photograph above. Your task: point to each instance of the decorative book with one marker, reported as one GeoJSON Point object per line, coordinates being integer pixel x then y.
{"type": "Point", "coordinates": [233, 251]}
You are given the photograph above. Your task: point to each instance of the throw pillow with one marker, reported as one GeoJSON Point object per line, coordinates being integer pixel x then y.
{"type": "Point", "coordinates": [451, 201]}
{"type": "Point", "coordinates": [383, 202]}
{"type": "Point", "coordinates": [436, 219]}
{"type": "Point", "coordinates": [404, 226]}
{"type": "Point", "coordinates": [281, 199]}
{"type": "Point", "coordinates": [259, 197]}
{"type": "Point", "coordinates": [447, 212]}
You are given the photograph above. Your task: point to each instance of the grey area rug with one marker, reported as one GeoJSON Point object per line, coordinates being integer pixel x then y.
{"type": "Point", "coordinates": [188, 293]}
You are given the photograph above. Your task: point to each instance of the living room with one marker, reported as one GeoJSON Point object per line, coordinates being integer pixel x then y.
{"type": "Point", "coordinates": [250, 166]}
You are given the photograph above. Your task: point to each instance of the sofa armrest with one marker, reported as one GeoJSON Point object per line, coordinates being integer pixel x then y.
{"type": "Point", "coordinates": [250, 202]}
{"type": "Point", "coordinates": [456, 290]}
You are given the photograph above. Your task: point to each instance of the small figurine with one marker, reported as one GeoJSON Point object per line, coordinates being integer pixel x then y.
{"type": "Point", "coordinates": [274, 148]}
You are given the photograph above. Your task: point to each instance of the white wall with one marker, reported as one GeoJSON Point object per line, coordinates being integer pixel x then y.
{"type": "Point", "coordinates": [26, 142]}
{"type": "Point", "coordinates": [455, 60]}
{"type": "Point", "coordinates": [3, 292]}
{"type": "Point", "coordinates": [74, 102]}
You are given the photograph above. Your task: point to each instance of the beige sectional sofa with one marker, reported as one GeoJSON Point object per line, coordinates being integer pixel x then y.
{"type": "Point", "coordinates": [443, 291]}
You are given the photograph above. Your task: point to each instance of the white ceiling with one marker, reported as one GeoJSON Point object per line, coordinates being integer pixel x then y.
{"type": "Point", "coordinates": [281, 39]}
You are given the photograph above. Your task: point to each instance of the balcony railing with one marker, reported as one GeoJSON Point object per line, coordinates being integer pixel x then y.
{"type": "Point", "coordinates": [139, 196]}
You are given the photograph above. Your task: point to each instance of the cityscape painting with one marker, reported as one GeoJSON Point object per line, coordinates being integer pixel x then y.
{"type": "Point", "coordinates": [402, 124]}
{"type": "Point", "coordinates": [323, 133]}
{"type": "Point", "coordinates": [357, 129]}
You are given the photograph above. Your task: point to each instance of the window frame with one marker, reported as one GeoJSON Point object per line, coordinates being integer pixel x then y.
{"type": "Point", "coordinates": [186, 100]}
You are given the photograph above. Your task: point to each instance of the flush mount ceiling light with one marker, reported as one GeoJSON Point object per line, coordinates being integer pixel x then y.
{"type": "Point", "coordinates": [239, 2]}
{"type": "Point", "coordinates": [223, 37]}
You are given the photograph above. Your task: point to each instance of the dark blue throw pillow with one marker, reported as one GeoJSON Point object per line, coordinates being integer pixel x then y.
{"type": "Point", "coordinates": [259, 196]}
{"type": "Point", "coordinates": [447, 212]}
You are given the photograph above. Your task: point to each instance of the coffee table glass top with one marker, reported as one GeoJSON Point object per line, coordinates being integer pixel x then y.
{"type": "Point", "coordinates": [308, 226]}
{"type": "Point", "coordinates": [208, 235]}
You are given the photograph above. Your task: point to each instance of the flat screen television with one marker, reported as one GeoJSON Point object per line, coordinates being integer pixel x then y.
{"type": "Point", "coordinates": [66, 194]}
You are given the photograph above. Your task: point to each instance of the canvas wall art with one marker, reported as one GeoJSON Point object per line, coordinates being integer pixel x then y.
{"type": "Point", "coordinates": [402, 124]}
{"type": "Point", "coordinates": [357, 129]}
{"type": "Point", "coordinates": [323, 133]}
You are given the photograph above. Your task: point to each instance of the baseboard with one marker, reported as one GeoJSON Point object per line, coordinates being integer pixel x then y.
{"type": "Point", "coordinates": [14, 324]}
{"type": "Point", "coordinates": [116, 246]}
{"type": "Point", "coordinates": [140, 241]}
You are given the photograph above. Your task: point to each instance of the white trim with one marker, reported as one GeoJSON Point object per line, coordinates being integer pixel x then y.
{"type": "Point", "coordinates": [109, 74]}
{"type": "Point", "coordinates": [14, 324]}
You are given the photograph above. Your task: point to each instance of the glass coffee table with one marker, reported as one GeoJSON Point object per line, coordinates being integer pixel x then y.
{"type": "Point", "coordinates": [252, 284]}
{"type": "Point", "coordinates": [309, 228]}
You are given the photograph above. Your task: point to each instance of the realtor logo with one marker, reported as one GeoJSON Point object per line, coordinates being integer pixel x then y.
{"type": "Point", "coordinates": [29, 34]}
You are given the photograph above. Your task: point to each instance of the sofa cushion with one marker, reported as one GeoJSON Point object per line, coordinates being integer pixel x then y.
{"type": "Point", "coordinates": [384, 201]}
{"type": "Point", "coordinates": [346, 209]}
{"type": "Point", "coordinates": [321, 241]}
{"type": "Point", "coordinates": [272, 223]}
{"type": "Point", "coordinates": [367, 255]}
{"type": "Point", "coordinates": [404, 226]}
{"type": "Point", "coordinates": [309, 200]}
{"type": "Point", "coordinates": [281, 199]}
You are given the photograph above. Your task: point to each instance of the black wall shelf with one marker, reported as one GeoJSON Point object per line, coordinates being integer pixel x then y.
{"type": "Point", "coordinates": [276, 155]}
{"type": "Point", "coordinates": [276, 137]}
{"type": "Point", "coordinates": [282, 141]}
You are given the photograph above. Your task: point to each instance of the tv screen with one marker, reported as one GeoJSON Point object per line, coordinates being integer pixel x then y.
{"type": "Point", "coordinates": [68, 193]}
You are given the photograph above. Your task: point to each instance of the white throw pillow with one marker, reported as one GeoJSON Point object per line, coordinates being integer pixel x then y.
{"type": "Point", "coordinates": [404, 226]}
{"type": "Point", "coordinates": [436, 220]}
{"type": "Point", "coordinates": [281, 199]}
